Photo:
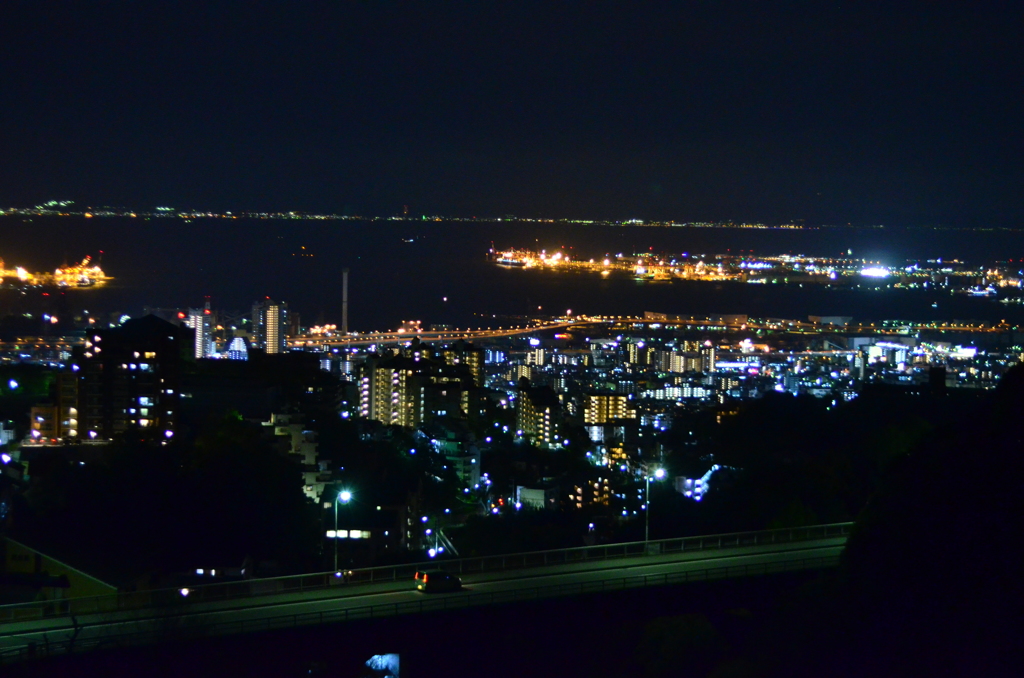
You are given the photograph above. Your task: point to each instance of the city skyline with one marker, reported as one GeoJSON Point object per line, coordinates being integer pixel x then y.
{"type": "Point", "coordinates": [900, 114]}
{"type": "Point", "coordinates": [694, 326]}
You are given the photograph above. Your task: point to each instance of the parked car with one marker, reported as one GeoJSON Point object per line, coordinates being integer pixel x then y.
{"type": "Point", "coordinates": [436, 581]}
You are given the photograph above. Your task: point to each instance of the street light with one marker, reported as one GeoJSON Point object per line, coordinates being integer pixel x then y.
{"type": "Point", "coordinates": [658, 475]}
{"type": "Point", "coordinates": [344, 497]}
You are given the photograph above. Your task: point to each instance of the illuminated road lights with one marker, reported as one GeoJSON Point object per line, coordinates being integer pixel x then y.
{"type": "Point", "coordinates": [658, 475]}
{"type": "Point", "coordinates": [344, 497]}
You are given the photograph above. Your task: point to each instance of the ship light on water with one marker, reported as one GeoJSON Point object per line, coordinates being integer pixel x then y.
{"type": "Point", "coordinates": [875, 272]}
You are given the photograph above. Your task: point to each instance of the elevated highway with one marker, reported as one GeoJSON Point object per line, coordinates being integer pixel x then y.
{"type": "Point", "coordinates": [38, 629]}
{"type": "Point", "coordinates": [751, 324]}
{"type": "Point", "coordinates": [440, 335]}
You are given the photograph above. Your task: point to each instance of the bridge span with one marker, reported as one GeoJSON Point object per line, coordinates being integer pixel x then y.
{"type": "Point", "coordinates": [740, 325]}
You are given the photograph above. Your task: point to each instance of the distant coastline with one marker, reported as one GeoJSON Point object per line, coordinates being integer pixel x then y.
{"type": "Point", "coordinates": [68, 209]}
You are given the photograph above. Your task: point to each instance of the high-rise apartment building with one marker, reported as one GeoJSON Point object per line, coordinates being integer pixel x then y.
{"type": "Point", "coordinates": [468, 356]}
{"type": "Point", "coordinates": [128, 378]}
{"type": "Point", "coordinates": [270, 325]}
{"type": "Point", "coordinates": [600, 408]}
{"type": "Point", "coordinates": [389, 391]}
{"type": "Point", "coordinates": [707, 358]}
{"type": "Point", "coordinates": [407, 390]}
{"type": "Point", "coordinates": [200, 320]}
{"type": "Point", "coordinates": [539, 415]}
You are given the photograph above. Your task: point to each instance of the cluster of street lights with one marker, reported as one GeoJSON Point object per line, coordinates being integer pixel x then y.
{"type": "Point", "coordinates": [344, 497]}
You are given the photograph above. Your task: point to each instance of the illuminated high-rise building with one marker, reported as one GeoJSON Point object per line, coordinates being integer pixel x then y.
{"type": "Point", "coordinates": [270, 325]}
{"type": "Point", "coordinates": [539, 416]}
{"type": "Point", "coordinates": [408, 390]}
{"type": "Point", "coordinates": [707, 358]}
{"type": "Point", "coordinates": [468, 355]}
{"type": "Point", "coordinates": [128, 379]}
{"type": "Point", "coordinates": [600, 408]}
{"type": "Point", "coordinates": [389, 391]}
{"type": "Point", "coordinates": [199, 319]}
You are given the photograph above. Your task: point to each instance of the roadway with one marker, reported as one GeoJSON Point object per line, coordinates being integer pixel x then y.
{"type": "Point", "coordinates": [399, 597]}
{"type": "Point", "coordinates": [788, 326]}
{"type": "Point", "coordinates": [440, 335]}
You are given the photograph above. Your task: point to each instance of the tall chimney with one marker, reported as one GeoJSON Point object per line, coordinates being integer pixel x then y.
{"type": "Point", "coordinates": [344, 301]}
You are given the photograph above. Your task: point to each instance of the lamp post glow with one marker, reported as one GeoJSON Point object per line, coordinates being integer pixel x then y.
{"type": "Point", "coordinates": [658, 475]}
{"type": "Point", "coordinates": [344, 497]}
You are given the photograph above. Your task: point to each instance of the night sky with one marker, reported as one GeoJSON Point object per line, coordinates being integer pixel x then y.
{"type": "Point", "coordinates": [902, 113]}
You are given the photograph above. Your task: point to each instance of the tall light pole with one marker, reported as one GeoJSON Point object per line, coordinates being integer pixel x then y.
{"type": "Point", "coordinates": [344, 497]}
{"type": "Point", "coordinates": [658, 475]}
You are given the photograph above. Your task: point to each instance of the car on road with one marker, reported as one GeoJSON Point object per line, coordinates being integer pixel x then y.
{"type": "Point", "coordinates": [436, 581]}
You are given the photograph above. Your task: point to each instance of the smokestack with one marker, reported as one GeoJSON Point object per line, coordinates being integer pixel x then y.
{"type": "Point", "coordinates": [344, 301]}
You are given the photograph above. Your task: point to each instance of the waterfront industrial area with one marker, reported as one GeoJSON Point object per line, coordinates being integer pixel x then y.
{"type": "Point", "coordinates": [83, 274]}
{"type": "Point", "coordinates": [952, 275]}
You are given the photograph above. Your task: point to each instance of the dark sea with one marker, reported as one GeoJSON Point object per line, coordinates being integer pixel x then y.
{"type": "Point", "coordinates": [436, 272]}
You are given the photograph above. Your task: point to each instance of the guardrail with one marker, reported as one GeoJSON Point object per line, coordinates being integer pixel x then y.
{"type": "Point", "coordinates": [182, 630]}
{"type": "Point", "coordinates": [333, 581]}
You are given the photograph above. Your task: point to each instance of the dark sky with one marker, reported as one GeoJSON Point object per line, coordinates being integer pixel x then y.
{"type": "Point", "coordinates": [892, 112]}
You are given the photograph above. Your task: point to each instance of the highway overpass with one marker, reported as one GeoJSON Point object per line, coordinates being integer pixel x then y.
{"type": "Point", "coordinates": [39, 629]}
